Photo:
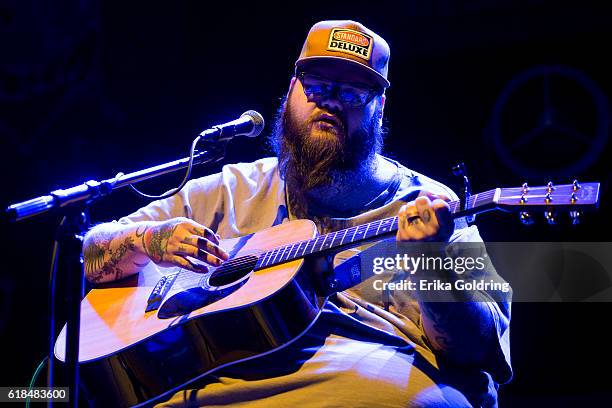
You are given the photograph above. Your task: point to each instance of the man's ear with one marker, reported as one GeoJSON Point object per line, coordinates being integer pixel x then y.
{"type": "Point", "coordinates": [291, 85]}
{"type": "Point", "coordinates": [382, 109]}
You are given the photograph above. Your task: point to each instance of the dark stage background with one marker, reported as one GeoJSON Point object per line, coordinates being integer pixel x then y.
{"type": "Point", "coordinates": [519, 90]}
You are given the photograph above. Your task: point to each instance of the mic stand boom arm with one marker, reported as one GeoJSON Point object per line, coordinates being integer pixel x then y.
{"type": "Point", "coordinates": [93, 190]}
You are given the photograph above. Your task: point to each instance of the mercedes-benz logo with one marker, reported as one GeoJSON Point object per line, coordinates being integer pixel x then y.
{"type": "Point", "coordinates": [550, 121]}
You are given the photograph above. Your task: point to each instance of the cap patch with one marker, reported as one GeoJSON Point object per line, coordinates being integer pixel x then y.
{"type": "Point", "coordinates": [350, 42]}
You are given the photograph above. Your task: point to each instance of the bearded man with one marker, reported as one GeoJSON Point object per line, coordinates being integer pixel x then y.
{"type": "Point", "coordinates": [365, 349]}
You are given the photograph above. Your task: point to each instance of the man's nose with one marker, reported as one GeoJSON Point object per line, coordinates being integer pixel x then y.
{"type": "Point", "coordinates": [332, 104]}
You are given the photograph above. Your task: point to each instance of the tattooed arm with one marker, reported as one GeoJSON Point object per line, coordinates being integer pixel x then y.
{"type": "Point", "coordinates": [113, 251]}
{"type": "Point", "coordinates": [462, 331]}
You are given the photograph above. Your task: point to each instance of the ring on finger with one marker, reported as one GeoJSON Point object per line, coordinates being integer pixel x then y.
{"type": "Point", "coordinates": [414, 219]}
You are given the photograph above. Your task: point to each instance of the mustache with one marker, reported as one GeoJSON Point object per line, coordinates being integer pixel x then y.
{"type": "Point", "coordinates": [329, 118]}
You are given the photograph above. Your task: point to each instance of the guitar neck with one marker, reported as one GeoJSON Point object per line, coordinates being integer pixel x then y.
{"type": "Point", "coordinates": [353, 236]}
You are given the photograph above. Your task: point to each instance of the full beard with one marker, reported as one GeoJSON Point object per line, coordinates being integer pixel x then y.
{"type": "Point", "coordinates": [323, 163]}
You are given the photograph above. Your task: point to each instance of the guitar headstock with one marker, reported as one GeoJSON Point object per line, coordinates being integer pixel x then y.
{"type": "Point", "coordinates": [549, 199]}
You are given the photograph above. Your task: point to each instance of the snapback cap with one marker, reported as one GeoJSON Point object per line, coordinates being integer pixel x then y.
{"type": "Point", "coordinates": [349, 41]}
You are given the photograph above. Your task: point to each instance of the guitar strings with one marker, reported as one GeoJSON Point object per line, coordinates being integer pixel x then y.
{"type": "Point", "coordinates": [236, 264]}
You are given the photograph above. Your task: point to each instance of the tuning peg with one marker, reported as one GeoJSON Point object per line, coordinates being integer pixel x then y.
{"type": "Point", "coordinates": [526, 218]}
{"type": "Point", "coordinates": [547, 198]}
{"type": "Point", "coordinates": [575, 216]}
{"type": "Point", "coordinates": [573, 198]}
{"type": "Point", "coordinates": [525, 188]}
{"type": "Point", "coordinates": [550, 217]}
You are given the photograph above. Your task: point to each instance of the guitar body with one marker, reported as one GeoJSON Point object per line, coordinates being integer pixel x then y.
{"type": "Point", "coordinates": [137, 345]}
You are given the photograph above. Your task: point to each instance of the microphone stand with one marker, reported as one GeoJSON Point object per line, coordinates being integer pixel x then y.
{"type": "Point", "coordinates": [73, 205]}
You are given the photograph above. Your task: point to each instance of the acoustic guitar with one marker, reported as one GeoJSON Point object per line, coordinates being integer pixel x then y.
{"type": "Point", "coordinates": [151, 334]}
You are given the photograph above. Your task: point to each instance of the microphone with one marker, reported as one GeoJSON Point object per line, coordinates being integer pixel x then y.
{"type": "Point", "coordinates": [249, 124]}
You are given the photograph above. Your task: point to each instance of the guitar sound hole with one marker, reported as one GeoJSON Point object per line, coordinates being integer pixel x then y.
{"type": "Point", "coordinates": [232, 270]}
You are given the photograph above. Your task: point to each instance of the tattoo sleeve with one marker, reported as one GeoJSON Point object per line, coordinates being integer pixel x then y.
{"type": "Point", "coordinates": [110, 252]}
{"type": "Point", "coordinates": [141, 235]}
{"type": "Point", "coordinates": [460, 330]}
{"type": "Point", "coordinates": [102, 262]}
{"type": "Point", "coordinates": [158, 242]}
{"type": "Point", "coordinates": [94, 257]}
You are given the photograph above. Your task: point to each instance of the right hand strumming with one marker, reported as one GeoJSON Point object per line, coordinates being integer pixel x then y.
{"type": "Point", "coordinates": [172, 242]}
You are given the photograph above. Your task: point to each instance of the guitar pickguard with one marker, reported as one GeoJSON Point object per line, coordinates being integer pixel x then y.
{"type": "Point", "coordinates": [186, 301]}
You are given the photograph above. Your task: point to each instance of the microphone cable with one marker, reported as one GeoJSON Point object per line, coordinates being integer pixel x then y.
{"type": "Point", "coordinates": [192, 153]}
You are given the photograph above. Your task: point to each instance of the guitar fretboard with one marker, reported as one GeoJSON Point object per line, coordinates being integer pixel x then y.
{"type": "Point", "coordinates": [357, 234]}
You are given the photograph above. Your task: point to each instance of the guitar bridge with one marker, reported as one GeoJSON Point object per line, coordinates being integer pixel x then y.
{"type": "Point", "coordinates": [159, 291]}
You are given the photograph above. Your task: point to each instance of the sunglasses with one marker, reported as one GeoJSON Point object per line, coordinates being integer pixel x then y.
{"type": "Point", "coordinates": [317, 88]}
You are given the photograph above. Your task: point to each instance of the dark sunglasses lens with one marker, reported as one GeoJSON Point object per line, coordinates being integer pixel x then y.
{"type": "Point", "coordinates": [314, 87]}
{"type": "Point", "coordinates": [317, 88]}
{"type": "Point", "coordinates": [353, 97]}
{"type": "Point", "coordinates": [313, 91]}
